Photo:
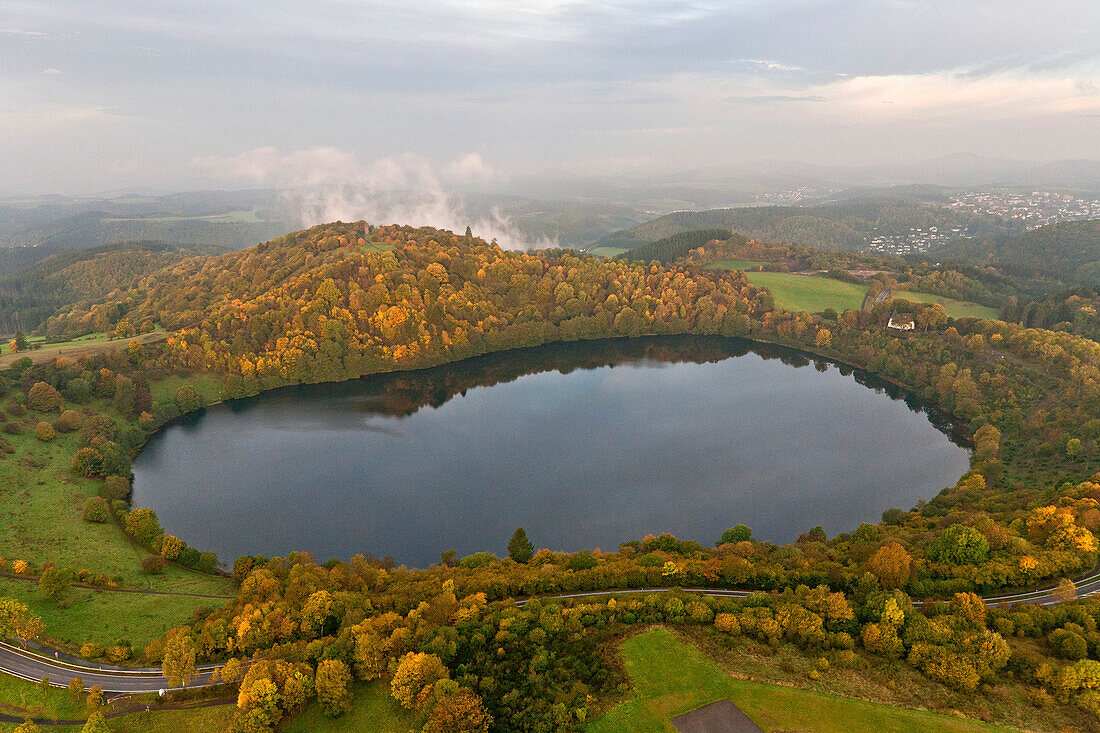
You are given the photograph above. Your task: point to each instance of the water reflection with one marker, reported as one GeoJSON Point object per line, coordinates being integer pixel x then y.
{"type": "Point", "coordinates": [585, 444]}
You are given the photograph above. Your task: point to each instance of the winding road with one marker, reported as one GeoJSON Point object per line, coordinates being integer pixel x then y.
{"type": "Point", "coordinates": [36, 664]}
{"type": "Point", "coordinates": [33, 665]}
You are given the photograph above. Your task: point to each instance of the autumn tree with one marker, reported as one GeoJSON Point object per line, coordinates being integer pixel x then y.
{"type": "Point", "coordinates": [891, 564]}
{"type": "Point", "coordinates": [416, 673]}
{"type": "Point", "coordinates": [96, 724]}
{"type": "Point", "coordinates": [76, 690]}
{"type": "Point", "coordinates": [460, 712]}
{"type": "Point", "coordinates": [179, 657]}
{"type": "Point", "coordinates": [520, 548]}
{"type": "Point", "coordinates": [332, 681]}
{"type": "Point", "coordinates": [43, 397]}
{"type": "Point", "coordinates": [1066, 590]}
{"type": "Point", "coordinates": [17, 620]}
{"type": "Point", "coordinates": [142, 524]}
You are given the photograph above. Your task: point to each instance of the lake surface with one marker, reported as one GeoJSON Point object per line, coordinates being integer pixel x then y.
{"type": "Point", "coordinates": [584, 445]}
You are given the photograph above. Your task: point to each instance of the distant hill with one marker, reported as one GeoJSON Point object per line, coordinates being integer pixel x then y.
{"type": "Point", "coordinates": [673, 248]}
{"type": "Point", "coordinates": [839, 225]}
{"type": "Point", "coordinates": [30, 296]}
{"type": "Point", "coordinates": [1070, 249]}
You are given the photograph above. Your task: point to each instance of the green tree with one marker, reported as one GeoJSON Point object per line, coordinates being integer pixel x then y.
{"type": "Point", "coordinates": [737, 533]}
{"type": "Point", "coordinates": [54, 583]}
{"type": "Point", "coordinates": [520, 548]}
{"type": "Point", "coordinates": [959, 545]}
{"type": "Point", "coordinates": [179, 657]}
{"type": "Point", "coordinates": [96, 724]}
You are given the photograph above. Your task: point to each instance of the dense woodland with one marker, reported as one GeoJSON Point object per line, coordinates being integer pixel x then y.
{"type": "Point", "coordinates": [343, 300]}
{"type": "Point", "coordinates": [1070, 249]}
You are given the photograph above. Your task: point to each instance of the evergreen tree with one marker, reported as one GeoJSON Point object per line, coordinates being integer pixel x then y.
{"type": "Point", "coordinates": [520, 548]}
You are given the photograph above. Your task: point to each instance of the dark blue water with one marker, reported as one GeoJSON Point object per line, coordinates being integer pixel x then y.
{"type": "Point", "coordinates": [584, 445]}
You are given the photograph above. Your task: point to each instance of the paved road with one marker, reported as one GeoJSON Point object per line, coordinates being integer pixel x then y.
{"type": "Point", "coordinates": [34, 664]}
{"type": "Point", "coordinates": [1086, 586]}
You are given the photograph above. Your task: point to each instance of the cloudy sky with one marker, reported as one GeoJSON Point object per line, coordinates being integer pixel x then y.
{"type": "Point", "coordinates": [98, 95]}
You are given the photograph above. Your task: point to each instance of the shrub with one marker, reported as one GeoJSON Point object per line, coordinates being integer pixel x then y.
{"type": "Point", "coordinates": [43, 397]}
{"type": "Point", "coordinates": [12, 428]}
{"type": "Point", "coordinates": [153, 564]}
{"type": "Point", "coordinates": [143, 526]}
{"type": "Point", "coordinates": [16, 410]}
{"type": "Point", "coordinates": [115, 487]}
{"type": "Point", "coordinates": [22, 567]}
{"type": "Point", "coordinates": [171, 546]}
{"type": "Point", "coordinates": [44, 432]}
{"type": "Point", "coordinates": [88, 462]}
{"type": "Point", "coordinates": [207, 562]}
{"type": "Point", "coordinates": [95, 510]}
{"type": "Point", "coordinates": [118, 653]}
{"type": "Point", "coordinates": [69, 421]}
{"type": "Point", "coordinates": [91, 650]}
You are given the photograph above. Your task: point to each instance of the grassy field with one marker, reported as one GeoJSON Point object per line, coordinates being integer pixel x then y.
{"type": "Point", "coordinates": [607, 251]}
{"type": "Point", "coordinates": [954, 308]}
{"type": "Point", "coordinates": [107, 617]}
{"type": "Point", "coordinates": [373, 709]}
{"type": "Point", "coordinates": [735, 265]}
{"type": "Point", "coordinates": [671, 677]}
{"type": "Point", "coordinates": [41, 502]}
{"type": "Point", "coordinates": [207, 385]}
{"type": "Point", "coordinates": [805, 293]}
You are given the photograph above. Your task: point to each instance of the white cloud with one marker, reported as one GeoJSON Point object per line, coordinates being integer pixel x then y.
{"type": "Point", "coordinates": [959, 95]}
{"type": "Point", "coordinates": [51, 70]}
{"type": "Point", "coordinates": [470, 168]}
{"type": "Point", "coordinates": [327, 184]}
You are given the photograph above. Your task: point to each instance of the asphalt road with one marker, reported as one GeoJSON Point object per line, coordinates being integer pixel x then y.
{"type": "Point", "coordinates": [34, 665]}
{"type": "Point", "coordinates": [31, 666]}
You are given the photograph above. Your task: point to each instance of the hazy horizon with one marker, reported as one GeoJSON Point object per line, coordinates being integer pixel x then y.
{"type": "Point", "coordinates": [107, 96]}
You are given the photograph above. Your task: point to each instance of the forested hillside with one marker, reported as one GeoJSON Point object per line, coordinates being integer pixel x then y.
{"type": "Point", "coordinates": [326, 303]}
{"type": "Point", "coordinates": [841, 225]}
{"type": "Point", "coordinates": [28, 297]}
{"type": "Point", "coordinates": [673, 248]}
{"type": "Point", "coordinates": [1070, 249]}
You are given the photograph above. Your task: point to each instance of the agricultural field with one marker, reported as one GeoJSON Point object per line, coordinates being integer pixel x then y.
{"type": "Point", "coordinates": [90, 344]}
{"type": "Point", "coordinates": [954, 308]}
{"type": "Point", "coordinates": [735, 265]}
{"type": "Point", "coordinates": [671, 678]}
{"type": "Point", "coordinates": [608, 251]}
{"type": "Point", "coordinates": [806, 293]}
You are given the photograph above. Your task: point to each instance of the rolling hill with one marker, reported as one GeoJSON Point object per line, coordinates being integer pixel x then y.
{"type": "Point", "coordinates": [839, 225]}
{"type": "Point", "coordinates": [1070, 249]}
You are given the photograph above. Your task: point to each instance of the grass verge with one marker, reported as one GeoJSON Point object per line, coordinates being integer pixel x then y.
{"type": "Point", "coordinates": [671, 677]}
